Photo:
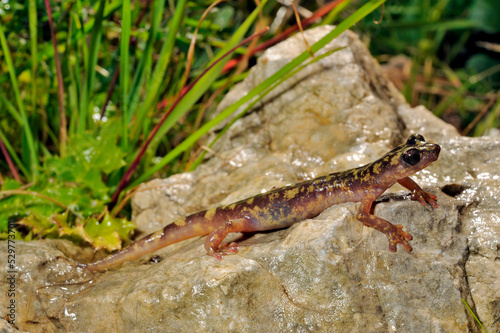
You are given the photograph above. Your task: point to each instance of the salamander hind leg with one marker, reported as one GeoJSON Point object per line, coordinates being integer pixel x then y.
{"type": "Point", "coordinates": [213, 243]}
{"type": "Point", "coordinates": [394, 233]}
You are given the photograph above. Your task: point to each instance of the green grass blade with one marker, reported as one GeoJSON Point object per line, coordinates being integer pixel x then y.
{"type": "Point", "coordinates": [33, 161]}
{"type": "Point", "coordinates": [153, 86]}
{"type": "Point", "coordinates": [189, 141]}
{"type": "Point", "coordinates": [334, 14]}
{"type": "Point", "coordinates": [12, 110]}
{"type": "Point", "coordinates": [95, 42]}
{"type": "Point", "coordinates": [425, 25]}
{"type": "Point", "coordinates": [32, 14]}
{"type": "Point", "coordinates": [124, 69]}
{"type": "Point", "coordinates": [73, 87]}
{"type": "Point", "coordinates": [142, 67]}
{"type": "Point", "coordinates": [473, 314]}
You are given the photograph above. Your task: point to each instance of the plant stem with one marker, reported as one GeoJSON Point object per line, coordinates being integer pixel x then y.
{"type": "Point", "coordinates": [63, 134]}
{"type": "Point", "coordinates": [12, 168]}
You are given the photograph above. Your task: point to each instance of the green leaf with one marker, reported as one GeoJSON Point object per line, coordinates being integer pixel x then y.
{"type": "Point", "coordinates": [65, 229]}
{"type": "Point", "coordinates": [10, 184]}
{"type": "Point", "coordinates": [108, 233]}
{"type": "Point", "coordinates": [41, 226]}
{"type": "Point", "coordinates": [16, 207]}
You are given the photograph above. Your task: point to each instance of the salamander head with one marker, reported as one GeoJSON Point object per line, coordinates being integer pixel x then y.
{"type": "Point", "coordinates": [412, 156]}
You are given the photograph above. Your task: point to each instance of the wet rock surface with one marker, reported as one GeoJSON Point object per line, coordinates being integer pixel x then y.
{"type": "Point", "coordinates": [329, 273]}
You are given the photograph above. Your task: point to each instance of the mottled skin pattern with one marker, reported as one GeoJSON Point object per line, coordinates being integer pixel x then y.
{"type": "Point", "coordinates": [285, 206]}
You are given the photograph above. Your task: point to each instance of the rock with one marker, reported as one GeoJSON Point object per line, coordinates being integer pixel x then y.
{"type": "Point", "coordinates": [5, 327]}
{"type": "Point", "coordinates": [329, 273]}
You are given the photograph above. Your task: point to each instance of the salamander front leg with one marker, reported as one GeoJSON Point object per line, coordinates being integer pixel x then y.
{"type": "Point", "coordinates": [417, 193]}
{"type": "Point", "coordinates": [394, 233]}
{"type": "Point", "coordinates": [214, 239]}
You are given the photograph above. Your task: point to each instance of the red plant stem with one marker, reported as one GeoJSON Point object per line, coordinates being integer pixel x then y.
{"type": "Point", "coordinates": [13, 169]}
{"type": "Point", "coordinates": [63, 134]}
{"type": "Point", "coordinates": [126, 177]}
{"type": "Point", "coordinates": [112, 85]}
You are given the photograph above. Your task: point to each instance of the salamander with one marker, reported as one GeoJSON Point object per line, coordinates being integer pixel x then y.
{"type": "Point", "coordinates": [287, 205]}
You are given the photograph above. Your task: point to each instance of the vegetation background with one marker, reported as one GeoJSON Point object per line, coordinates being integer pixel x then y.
{"type": "Point", "coordinates": [98, 96]}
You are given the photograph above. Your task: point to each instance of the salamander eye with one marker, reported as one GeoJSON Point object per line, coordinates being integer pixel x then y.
{"type": "Point", "coordinates": [411, 157]}
{"type": "Point", "coordinates": [414, 138]}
